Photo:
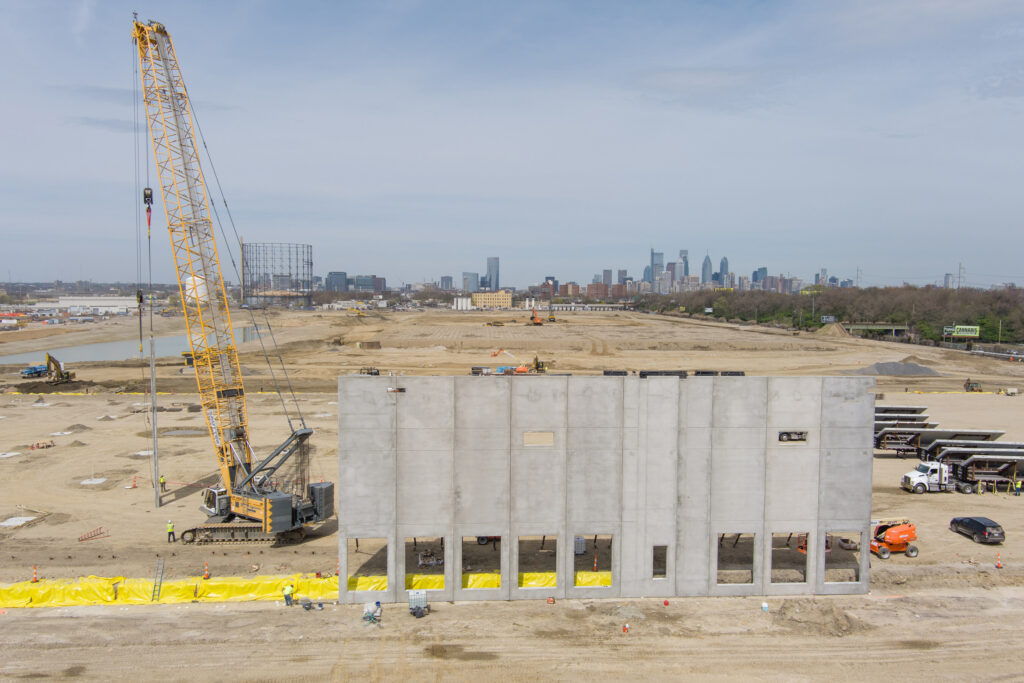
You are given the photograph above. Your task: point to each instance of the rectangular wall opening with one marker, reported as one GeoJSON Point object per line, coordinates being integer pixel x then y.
{"type": "Point", "coordinates": [538, 561]}
{"type": "Point", "coordinates": [481, 561]}
{"type": "Point", "coordinates": [660, 564]}
{"type": "Point", "coordinates": [789, 557]}
{"type": "Point", "coordinates": [735, 558]}
{"type": "Point", "coordinates": [842, 556]}
{"type": "Point", "coordinates": [424, 563]}
{"type": "Point", "coordinates": [367, 564]}
{"type": "Point", "coordinates": [592, 560]}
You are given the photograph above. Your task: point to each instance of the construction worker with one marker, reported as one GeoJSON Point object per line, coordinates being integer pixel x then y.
{"type": "Point", "coordinates": [1016, 487]}
{"type": "Point", "coordinates": [289, 590]}
{"type": "Point", "coordinates": [163, 483]}
{"type": "Point", "coordinates": [170, 532]}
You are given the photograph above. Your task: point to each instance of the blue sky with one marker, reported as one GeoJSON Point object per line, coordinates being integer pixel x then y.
{"type": "Point", "coordinates": [415, 139]}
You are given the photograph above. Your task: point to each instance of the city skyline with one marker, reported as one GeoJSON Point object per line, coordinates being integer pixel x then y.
{"type": "Point", "coordinates": [407, 134]}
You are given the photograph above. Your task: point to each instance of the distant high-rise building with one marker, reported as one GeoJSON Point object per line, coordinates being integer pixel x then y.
{"type": "Point", "coordinates": [553, 281]}
{"type": "Point", "coordinates": [647, 274]}
{"type": "Point", "coordinates": [705, 270]}
{"type": "Point", "coordinates": [471, 282]}
{"type": "Point", "coordinates": [670, 269]}
{"type": "Point", "coordinates": [621, 279]}
{"type": "Point", "coordinates": [447, 282]}
{"type": "Point", "coordinates": [947, 281]}
{"type": "Point", "coordinates": [684, 258]}
{"type": "Point", "coordinates": [723, 271]}
{"type": "Point", "coordinates": [492, 274]}
{"type": "Point", "coordinates": [337, 282]}
{"type": "Point", "coordinates": [759, 275]}
{"type": "Point", "coordinates": [657, 264]}
{"type": "Point", "coordinates": [606, 278]}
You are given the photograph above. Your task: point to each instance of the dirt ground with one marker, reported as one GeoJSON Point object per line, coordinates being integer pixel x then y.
{"type": "Point", "coordinates": [101, 434]}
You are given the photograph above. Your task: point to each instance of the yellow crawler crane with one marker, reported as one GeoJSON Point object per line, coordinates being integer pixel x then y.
{"type": "Point", "coordinates": [248, 505]}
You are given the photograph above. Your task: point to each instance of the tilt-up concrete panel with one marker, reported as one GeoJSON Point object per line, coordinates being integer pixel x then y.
{"type": "Point", "coordinates": [683, 465]}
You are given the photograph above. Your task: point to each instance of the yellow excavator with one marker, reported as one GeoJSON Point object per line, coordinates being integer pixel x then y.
{"type": "Point", "coordinates": [254, 501]}
{"type": "Point", "coordinates": [55, 372]}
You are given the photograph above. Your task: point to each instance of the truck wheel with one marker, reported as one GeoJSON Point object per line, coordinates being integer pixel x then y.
{"type": "Point", "coordinates": [919, 488]}
{"type": "Point", "coordinates": [911, 551]}
{"type": "Point", "coordinates": [784, 436]}
{"type": "Point", "coordinates": [883, 552]}
{"type": "Point", "coordinates": [966, 488]}
{"type": "Point", "coordinates": [481, 540]}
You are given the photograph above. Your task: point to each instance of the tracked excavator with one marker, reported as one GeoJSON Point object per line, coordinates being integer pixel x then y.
{"type": "Point", "coordinates": [254, 501]}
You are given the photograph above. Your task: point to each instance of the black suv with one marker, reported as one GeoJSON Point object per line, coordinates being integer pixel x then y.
{"type": "Point", "coordinates": [981, 529]}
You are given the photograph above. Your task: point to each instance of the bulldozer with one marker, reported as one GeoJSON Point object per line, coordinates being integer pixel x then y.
{"type": "Point", "coordinates": [894, 536]}
{"type": "Point", "coordinates": [972, 387]}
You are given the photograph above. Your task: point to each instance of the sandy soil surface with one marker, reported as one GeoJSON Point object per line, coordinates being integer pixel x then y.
{"type": "Point", "coordinates": [101, 434]}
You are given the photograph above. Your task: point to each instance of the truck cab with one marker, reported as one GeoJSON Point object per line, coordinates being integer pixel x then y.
{"type": "Point", "coordinates": [927, 476]}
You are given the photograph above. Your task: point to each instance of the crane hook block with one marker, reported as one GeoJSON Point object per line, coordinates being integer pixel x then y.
{"type": "Point", "coordinates": [147, 196]}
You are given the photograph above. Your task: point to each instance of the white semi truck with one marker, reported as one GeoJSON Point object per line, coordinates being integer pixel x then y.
{"type": "Point", "coordinates": [964, 474]}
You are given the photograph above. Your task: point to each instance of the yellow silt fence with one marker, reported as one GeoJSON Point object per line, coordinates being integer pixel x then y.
{"type": "Point", "coordinates": [118, 590]}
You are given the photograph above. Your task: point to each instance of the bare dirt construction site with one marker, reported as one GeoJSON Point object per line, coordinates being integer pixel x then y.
{"type": "Point", "coordinates": [946, 613]}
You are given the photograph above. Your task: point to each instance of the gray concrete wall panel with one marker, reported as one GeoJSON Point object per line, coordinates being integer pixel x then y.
{"type": "Point", "coordinates": [652, 462]}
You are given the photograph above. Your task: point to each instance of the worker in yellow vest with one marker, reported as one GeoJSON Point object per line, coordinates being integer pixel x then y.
{"type": "Point", "coordinates": [170, 532]}
{"type": "Point", "coordinates": [163, 483]}
{"type": "Point", "coordinates": [288, 591]}
{"type": "Point", "coordinates": [1016, 487]}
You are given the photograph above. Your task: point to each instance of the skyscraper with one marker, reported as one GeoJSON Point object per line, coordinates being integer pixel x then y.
{"type": "Point", "coordinates": [446, 282]}
{"type": "Point", "coordinates": [622, 277]}
{"type": "Point", "coordinates": [492, 273]}
{"type": "Point", "coordinates": [606, 277]}
{"type": "Point", "coordinates": [471, 282]}
{"type": "Point", "coordinates": [705, 270]}
{"type": "Point", "coordinates": [657, 264]}
{"type": "Point", "coordinates": [684, 258]}
{"type": "Point", "coordinates": [723, 272]}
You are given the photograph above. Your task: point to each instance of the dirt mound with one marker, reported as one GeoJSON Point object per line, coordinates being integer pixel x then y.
{"type": "Point", "coordinates": [43, 387]}
{"type": "Point", "coordinates": [77, 444]}
{"type": "Point", "coordinates": [832, 330]}
{"type": "Point", "coordinates": [897, 370]}
{"type": "Point", "coordinates": [812, 616]}
{"type": "Point", "coordinates": [77, 428]}
{"type": "Point", "coordinates": [919, 361]}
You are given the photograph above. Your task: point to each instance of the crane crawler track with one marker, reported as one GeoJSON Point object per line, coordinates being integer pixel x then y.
{"type": "Point", "coordinates": [228, 533]}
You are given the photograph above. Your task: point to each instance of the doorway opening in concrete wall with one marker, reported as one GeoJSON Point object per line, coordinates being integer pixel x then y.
{"type": "Point", "coordinates": [789, 557]}
{"type": "Point", "coordinates": [660, 563]}
{"type": "Point", "coordinates": [538, 561]}
{"type": "Point", "coordinates": [592, 560]}
{"type": "Point", "coordinates": [424, 563]}
{"type": "Point", "coordinates": [736, 558]}
{"type": "Point", "coordinates": [367, 564]}
{"type": "Point", "coordinates": [481, 561]}
{"type": "Point", "coordinates": [842, 556]}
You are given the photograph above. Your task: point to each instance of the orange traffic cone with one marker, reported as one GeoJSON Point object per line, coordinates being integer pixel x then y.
{"type": "Point", "coordinates": [337, 571]}
{"type": "Point", "coordinates": [999, 560]}
{"type": "Point", "coordinates": [595, 562]}
{"type": "Point", "coordinates": [134, 485]}
{"type": "Point", "coordinates": [35, 576]}
{"type": "Point", "coordinates": [206, 570]}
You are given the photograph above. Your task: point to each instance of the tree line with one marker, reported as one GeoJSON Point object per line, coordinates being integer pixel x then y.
{"type": "Point", "coordinates": [998, 312]}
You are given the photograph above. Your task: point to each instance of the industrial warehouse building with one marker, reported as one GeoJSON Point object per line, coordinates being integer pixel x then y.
{"type": "Point", "coordinates": [686, 486]}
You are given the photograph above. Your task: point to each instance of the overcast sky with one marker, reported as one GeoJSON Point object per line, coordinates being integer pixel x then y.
{"type": "Point", "coordinates": [414, 139]}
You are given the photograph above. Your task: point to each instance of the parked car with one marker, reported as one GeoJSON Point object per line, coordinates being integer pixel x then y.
{"type": "Point", "coordinates": [981, 529]}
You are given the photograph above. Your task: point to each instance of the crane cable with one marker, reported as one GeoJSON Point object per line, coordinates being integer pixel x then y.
{"type": "Point", "coordinates": [234, 266]}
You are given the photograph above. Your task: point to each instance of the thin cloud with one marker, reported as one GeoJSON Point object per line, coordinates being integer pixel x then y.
{"type": "Point", "coordinates": [112, 125]}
